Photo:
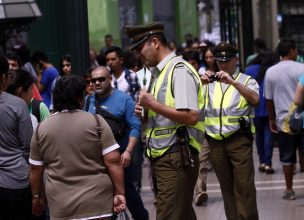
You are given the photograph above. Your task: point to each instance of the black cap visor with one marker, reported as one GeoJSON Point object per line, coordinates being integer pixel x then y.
{"type": "Point", "coordinates": [224, 58]}
{"type": "Point", "coordinates": [141, 41]}
{"type": "Point", "coordinates": [138, 43]}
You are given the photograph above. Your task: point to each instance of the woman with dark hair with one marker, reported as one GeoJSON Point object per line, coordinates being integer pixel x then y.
{"type": "Point", "coordinates": [15, 136]}
{"type": "Point", "coordinates": [65, 70]}
{"type": "Point", "coordinates": [209, 61]}
{"type": "Point", "coordinates": [89, 85]}
{"type": "Point", "coordinates": [65, 65]}
{"type": "Point", "coordinates": [264, 138]}
{"type": "Point", "coordinates": [85, 174]}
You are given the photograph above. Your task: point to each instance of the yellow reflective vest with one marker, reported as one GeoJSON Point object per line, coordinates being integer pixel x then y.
{"type": "Point", "coordinates": [224, 108]}
{"type": "Point", "coordinates": [161, 131]}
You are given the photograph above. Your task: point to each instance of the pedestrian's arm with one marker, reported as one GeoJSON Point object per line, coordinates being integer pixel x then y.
{"type": "Point", "coordinates": [25, 130]}
{"type": "Point", "coordinates": [134, 125]}
{"type": "Point", "coordinates": [126, 156]}
{"type": "Point", "coordinates": [271, 115]}
{"type": "Point", "coordinates": [298, 99]}
{"type": "Point", "coordinates": [37, 188]}
{"type": "Point", "coordinates": [36, 174]}
{"type": "Point", "coordinates": [39, 84]}
{"type": "Point", "coordinates": [115, 169]}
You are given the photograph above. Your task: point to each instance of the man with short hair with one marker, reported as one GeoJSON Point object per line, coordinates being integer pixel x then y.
{"type": "Point", "coordinates": [119, 104]}
{"type": "Point", "coordinates": [280, 85]}
{"type": "Point", "coordinates": [14, 61]}
{"type": "Point", "coordinates": [124, 79]}
{"type": "Point", "coordinates": [174, 105]}
{"type": "Point", "coordinates": [108, 40]}
{"type": "Point", "coordinates": [229, 116]}
{"type": "Point", "coordinates": [46, 76]}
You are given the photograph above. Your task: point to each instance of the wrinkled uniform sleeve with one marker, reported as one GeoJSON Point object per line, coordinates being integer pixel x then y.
{"type": "Point", "coordinates": [132, 120]}
{"type": "Point", "coordinates": [185, 88]}
{"type": "Point", "coordinates": [253, 85]}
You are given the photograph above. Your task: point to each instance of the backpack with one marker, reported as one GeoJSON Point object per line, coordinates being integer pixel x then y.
{"type": "Point", "coordinates": [117, 125]}
{"type": "Point", "coordinates": [133, 83]}
{"type": "Point", "coordinates": [36, 109]}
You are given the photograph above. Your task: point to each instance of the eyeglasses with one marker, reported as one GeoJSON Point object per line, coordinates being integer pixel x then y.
{"type": "Point", "coordinates": [99, 79]}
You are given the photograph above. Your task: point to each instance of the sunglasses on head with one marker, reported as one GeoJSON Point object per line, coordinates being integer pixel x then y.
{"type": "Point", "coordinates": [99, 79]}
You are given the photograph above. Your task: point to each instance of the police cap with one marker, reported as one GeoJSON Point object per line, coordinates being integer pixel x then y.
{"type": "Point", "coordinates": [140, 33]}
{"type": "Point", "coordinates": [225, 51]}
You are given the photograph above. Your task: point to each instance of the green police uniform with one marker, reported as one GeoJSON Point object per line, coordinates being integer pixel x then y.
{"type": "Point", "coordinates": [231, 150]}
{"type": "Point", "coordinates": [175, 183]}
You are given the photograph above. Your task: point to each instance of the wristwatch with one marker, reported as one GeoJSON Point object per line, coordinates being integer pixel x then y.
{"type": "Point", "coordinates": [37, 195]}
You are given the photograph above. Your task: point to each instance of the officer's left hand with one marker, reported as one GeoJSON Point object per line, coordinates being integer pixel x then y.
{"type": "Point", "coordinates": [126, 158]}
{"type": "Point", "coordinates": [146, 100]}
{"type": "Point", "coordinates": [225, 77]}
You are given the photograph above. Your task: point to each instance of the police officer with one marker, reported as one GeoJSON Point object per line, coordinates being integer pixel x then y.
{"type": "Point", "coordinates": [229, 128]}
{"type": "Point", "coordinates": [175, 101]}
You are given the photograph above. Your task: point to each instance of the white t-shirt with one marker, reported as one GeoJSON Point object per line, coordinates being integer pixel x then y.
{"type": "Point", "coordinates": [280, 85]}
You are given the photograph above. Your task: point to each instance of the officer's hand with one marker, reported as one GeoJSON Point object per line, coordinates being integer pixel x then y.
{"type": "Point", "coordinates": [146, 100]}
{"type": "Point", "coordinates": [138, 109]}
{"type": "Point", "coordinates": [206, 77]}
{"type": "Point", "coordinates": [225, 77]}
{"type": "Point", "coordinates": [126, 158]}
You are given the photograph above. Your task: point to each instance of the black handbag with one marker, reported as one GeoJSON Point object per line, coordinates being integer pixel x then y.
{"type": "Point", "coordinates": [296, 120]}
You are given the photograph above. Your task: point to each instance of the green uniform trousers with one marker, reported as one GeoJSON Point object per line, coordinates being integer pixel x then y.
{"type": "Point", "coordinates": [233, 164]}
{"type": "Point", "coordinates": [175, 187]}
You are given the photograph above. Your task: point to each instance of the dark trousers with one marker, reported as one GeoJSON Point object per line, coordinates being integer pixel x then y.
{"type": "Point", "coordinates": [134, 202]}
{"type": "Point", "coordinates": [233, 165]}
{"type": "Point", "coordinates": [264, 140]}
{"type": "Point", "coordinates": [175, 186]}
{"type": "Point", "coordinates": [15, 204]}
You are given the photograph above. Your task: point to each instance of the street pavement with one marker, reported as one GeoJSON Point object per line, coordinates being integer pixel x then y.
{"type": "Point", "coordinates": [269, 191]}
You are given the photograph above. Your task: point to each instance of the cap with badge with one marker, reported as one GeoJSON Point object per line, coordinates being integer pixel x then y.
{"type": "Point", "coordinates": [140, 33]}
{"type": "Point", "coordinates": [225, 51]}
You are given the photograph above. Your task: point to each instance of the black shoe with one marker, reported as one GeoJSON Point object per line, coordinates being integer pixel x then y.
{"type": "Point", "coordinates": [268, 169]}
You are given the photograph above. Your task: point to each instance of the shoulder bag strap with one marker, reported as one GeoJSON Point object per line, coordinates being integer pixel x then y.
{"type": "Point", "coordinates": [98, 128]}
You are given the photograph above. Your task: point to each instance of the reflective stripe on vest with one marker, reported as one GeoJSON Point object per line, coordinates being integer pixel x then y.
{"type": "Point", "coordinates": [161, 132]}
{"type": "Point", "coordinates": [223, 109]}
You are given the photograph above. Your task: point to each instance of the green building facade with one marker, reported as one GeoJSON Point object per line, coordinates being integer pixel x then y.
{"type": "Point", "coordinates": [110, 17]}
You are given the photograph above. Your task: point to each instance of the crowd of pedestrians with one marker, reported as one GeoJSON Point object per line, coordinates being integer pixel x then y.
{"type": "Point", "coordinates": [72, 147]}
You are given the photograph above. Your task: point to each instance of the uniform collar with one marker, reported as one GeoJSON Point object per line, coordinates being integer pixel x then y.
{"type": "Point", "coordinates": [164, 61]}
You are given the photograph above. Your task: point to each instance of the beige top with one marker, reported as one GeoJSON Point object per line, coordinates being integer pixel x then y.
{"type": "Point", "coordinates": [77, 185]}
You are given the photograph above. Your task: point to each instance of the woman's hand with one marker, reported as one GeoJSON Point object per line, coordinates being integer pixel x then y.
{"type": "Point", "coordinates": [38, 206]}
{"type": "Point", "coordinates": [119, 203]}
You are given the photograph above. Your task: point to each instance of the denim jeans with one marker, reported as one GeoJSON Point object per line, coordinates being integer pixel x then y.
{"type": "Point", "coordinates": [264, 139]}
{"type": "Point", "coordinates": [15, 204]}
{"type": "Point", "coordinates": [134, 202]}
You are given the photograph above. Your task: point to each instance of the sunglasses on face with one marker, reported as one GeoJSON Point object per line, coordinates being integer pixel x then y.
{"type": "Point", "coordinates": [99, 79]}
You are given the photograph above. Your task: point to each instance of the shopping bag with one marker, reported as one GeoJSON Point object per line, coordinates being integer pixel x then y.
{"type": "Point", "coordinates": [121, 216]}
